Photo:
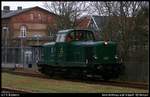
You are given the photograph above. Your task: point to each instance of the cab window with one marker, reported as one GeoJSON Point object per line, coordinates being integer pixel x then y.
{"type": "Point", "coordinates": [89, 36]}
{"type": "Point", "coordinates": [80, 35]}
{"type": "Point", "coordinates": [70, 37]}
{"type": "Point", "coordinates": [60, 38]}
{"type": "Point", "coordinates": [84, 35]}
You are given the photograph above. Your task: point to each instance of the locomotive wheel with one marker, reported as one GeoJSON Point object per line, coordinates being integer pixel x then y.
{"type": "Point", "coordinates": [74, 73]}
{"type": "Point", "coordinates": [110, 72]}
{"type": "Point", "coordinates": [46, 71]}
{"type": "Point", "coordinates": [67, 74]}
{"type": "Point", "coordinates": [81, 76]}
{"type": "Point", "coordinates": [51, 73]}
{"type": "Point", "coordinates": [41, 70]}
{"type": "Point", "coordinates": [106, 77]}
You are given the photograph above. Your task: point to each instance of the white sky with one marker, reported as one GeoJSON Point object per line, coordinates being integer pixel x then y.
{"type": "Point", "coordinates": [25, 4]}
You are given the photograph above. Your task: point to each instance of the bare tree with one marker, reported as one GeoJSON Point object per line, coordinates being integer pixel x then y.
{"type": "Point", "coordinates": [121, 21]}
{"type": "Point", "coordinates": [98, 8]}
{"type": "Point", "coordinates": [68, 12]}
{"type": "Point", "coordinates": [128, 23]}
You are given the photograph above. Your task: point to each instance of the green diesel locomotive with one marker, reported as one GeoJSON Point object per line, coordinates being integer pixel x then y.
{"type": "Point", "coordinates": [78, 53]}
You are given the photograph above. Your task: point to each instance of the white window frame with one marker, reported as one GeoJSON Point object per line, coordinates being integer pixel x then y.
{"type": "Point", "coordinates": [5, 33]}
{"type": "Point", "coordinates": [23, 31]}
{"type": "Point", "coordinates": [5, 29]}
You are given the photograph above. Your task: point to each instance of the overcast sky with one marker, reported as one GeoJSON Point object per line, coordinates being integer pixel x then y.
{"type": "Point", "coordinates": [25, 4]}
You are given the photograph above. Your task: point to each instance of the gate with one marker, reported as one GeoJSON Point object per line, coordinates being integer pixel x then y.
{"type": "Point", "coordinates": [23, 57]}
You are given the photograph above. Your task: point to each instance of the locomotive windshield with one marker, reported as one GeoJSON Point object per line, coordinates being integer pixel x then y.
{"type": "Point", "coordinates": [80, 35]}
{"type": "Point", "coordinates": [75, 35]}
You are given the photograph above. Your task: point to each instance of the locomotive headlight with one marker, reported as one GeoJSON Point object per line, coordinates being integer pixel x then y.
{"type": "Point", "coordinates": [105, 43]}
{"type": "Point", "coordinates": [86, 61]}
{"type": "Point", "coordinates": [116, 57]}
{"type": "Point", "coordinates": [95, 57]}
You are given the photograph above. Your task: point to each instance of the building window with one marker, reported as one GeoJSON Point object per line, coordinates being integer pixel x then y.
{"type": "Point", "coordinates": [5, 35]}
{"type": "Point", "coordinates": [23, 31]}
{"type": "Point", "coordinates": [31, 16]}
{"type": "Point", "coordinates": [39, 16]}
{"type": "Point", "coordinates": [5, 31]}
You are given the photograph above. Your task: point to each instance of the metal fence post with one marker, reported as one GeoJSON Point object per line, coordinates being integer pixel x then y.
{"type": "Point", "coordinates": [5, 29]}
{"type": "Point", "coordinates": [22, 51]}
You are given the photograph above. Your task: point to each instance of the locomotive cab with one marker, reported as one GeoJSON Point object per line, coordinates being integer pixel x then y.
{"type": "Point", "coordinates": [67, 48]}
{"type": "Point", "coordinates": [75, 35]}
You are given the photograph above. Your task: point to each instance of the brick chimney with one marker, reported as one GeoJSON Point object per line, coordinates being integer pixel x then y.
{"type": "Point", "coordinates": [6, 9]}
{"type": "Point", "coordinates": [19, 8]}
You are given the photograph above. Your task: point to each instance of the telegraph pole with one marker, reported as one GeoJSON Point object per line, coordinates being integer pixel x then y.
{"type": "Point", "coordinates": [22, 50]}
{"type": "Point", "coordinates": [5, 29]}
{"type": "Point", "coordinates": [38, 43]}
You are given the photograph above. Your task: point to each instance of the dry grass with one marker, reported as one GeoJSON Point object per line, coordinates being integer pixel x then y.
{"type": "Point", "coordinates": [60, 86]}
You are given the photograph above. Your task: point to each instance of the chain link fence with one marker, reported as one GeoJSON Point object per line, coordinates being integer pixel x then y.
{"type": "Point", "coordinates": [24, 57]}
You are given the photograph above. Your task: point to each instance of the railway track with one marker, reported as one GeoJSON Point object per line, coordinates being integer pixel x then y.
{"type": "Point", "coordinates": [23, 72]}
{"type": "Point", "coordinates": [86, 80]}
{"type": "Point", "coordinates": [13, 90]}
{"type": "Point", "coordinates": [126, 84]}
